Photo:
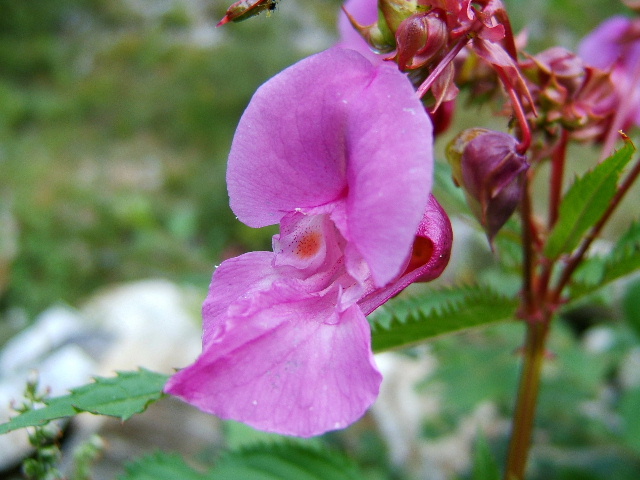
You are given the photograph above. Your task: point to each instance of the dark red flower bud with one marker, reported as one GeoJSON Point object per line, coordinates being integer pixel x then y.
{"type": "Point", "coordinates": [244, 9]}
{"type": "Point", "coordinates": [420, 38]}
{"type": "Point", "coordinates": [491, 172]}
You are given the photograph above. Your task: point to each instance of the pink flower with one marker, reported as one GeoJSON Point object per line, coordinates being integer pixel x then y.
{"type": "Point", "coordinates": [615, 45]}
{"type": "Point", "coordinates": [339, 153]}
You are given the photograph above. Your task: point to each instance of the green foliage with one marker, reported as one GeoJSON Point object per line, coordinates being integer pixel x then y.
{"type": "Point", "coordinates": [631, 305]}
{"type": "Point", "coordinates": [407, 321]}
{"type": "Point", "coordinates": [115, 168]}
{"type": "Point", "coordinates": [43, 465]}
{"type": "Point", "coordinates": [629, 408]}
{"type": "Point", "coordinates": [122, 396]}
{"type": "Point", "coordinates": [481, 366]}
{"type": "Point", "coordinates": [85, 456]}
{"type": "Point", "coordinates": [586, 201]}
{"type": "Point", "coordinates": [474, 367]}
{"type": "Point", "coordinates": [564, 21]}
{"type": "Point", "coordinates": [484, 464]}
{"type": "Point", "coordinates": [274, 461]}
{"type": "Point", "coordinates": [600, 270]}
{"type": "Point", "coordinates": [161, 466]}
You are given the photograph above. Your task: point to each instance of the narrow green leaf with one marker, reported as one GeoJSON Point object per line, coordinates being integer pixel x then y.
{"type": "Point", "coordinates": [484, 464]}
{"type": "Point", "coordinates": [122, 396]}
{"type": "Point", "coordinates": [586, 201]}
{"type": "Point", "coordinates": [404, 322]}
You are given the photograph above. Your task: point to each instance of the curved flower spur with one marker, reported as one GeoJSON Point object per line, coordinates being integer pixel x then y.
{"type": "Point", "coordinates": [339, 153]}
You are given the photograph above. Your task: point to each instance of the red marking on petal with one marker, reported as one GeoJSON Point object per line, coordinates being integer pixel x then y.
{"type": "Point", "coordinates": [309, 245]}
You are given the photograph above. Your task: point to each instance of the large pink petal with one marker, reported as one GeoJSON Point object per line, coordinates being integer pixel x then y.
{"type": "Point", "coordinates": [390, 164]}
{"type": "Point", "coordinates": [289, 148]}
{"type": "Point", "coordinates": [236, 279]}
{"type": "Point", "coordinates": [283, 370]}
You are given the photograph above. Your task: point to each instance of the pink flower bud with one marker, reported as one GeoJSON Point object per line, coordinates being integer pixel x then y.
{"type": "Point", "coordinates": [487, 166]}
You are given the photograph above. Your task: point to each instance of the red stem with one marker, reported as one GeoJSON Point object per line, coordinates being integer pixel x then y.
{"type": "Point", "coordinates": [557, 173]}
{"type": "Point", "coordinates": [523, 418]}
{"type": "Point", "coordinates": [446, 60]}
{"type": "Point", "coordinates": [528, 240]}
{"type": "Point", "coordinates": [525, 141]}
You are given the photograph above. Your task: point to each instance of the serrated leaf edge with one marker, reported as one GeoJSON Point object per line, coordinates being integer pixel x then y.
{"type": "Point", "coordinates": [411, 313]}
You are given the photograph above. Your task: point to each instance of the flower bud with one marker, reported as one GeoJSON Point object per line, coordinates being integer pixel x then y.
{"type": "Point", "coordinates": [377, 35]}
{"type": "Point", "coordinates": [419, 38]}
{"type": "Point", "coordinates": [487, 166]}
{"type": "Point", "coordinates": [579, 97]}
{"type": "Point", "coordinates": [244, 9]}
{"type": "Point", "coordinates": [396, 11]}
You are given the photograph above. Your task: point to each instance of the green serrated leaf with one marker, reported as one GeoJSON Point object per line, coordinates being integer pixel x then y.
{"type": "Point", "coordinates": [285, 461]}
{"type": "Point", "coordinates": [122, 396]}
{"type": "Point", "coordinates": [585, 202]}
{"type": "Point", "coordinates": [267, 461]}
{"type": "Point", "coordinates": [58, 407]}
{"type": "Point", "coordinates": [404, 322]}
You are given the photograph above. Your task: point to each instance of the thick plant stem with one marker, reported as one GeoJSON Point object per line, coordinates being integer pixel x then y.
{"type": "Point", "coordinates": [534, 353]}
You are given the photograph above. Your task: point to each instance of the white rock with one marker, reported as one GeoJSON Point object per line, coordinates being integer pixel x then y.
{"type": "Point", "coordinates": [151, 323]}
{"type": "Point", "coordinates": [400, 409]}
